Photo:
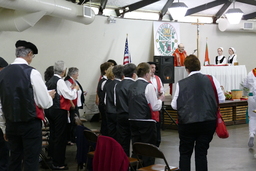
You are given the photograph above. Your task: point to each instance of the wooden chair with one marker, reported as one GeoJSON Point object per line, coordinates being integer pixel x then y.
{"type": "Point", "coordinates": [145, 149]}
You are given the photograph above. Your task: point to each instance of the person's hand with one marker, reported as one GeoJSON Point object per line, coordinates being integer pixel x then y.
{"type": "Point", "coordinates": [76, 87]}
{"type": "Point", "coordinates": [162, 97]}
{"type": "Point", "coordinates": [52, 93]}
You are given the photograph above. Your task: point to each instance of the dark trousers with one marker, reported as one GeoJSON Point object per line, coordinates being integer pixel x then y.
{"type": "Point", "coordinates": [104, 126]}
{"type": "Point", "coordinates": [124, 132]}
{"type": "Point", "coordinates": [4, 153]}
{"type": "Point", "coordinates": [25, 142]}
{"type": "Point", "coordinates": [58, 136]}
{"type": "Point", "coordinates": [144, 131]}
{"type": "Point", "coordinates": [158, 134]}
{"type": "Point", "coordinates": [195, 135]}
{"type": "Point", "coordinates": [112, 123]}
{"type": "Point", "coordinates": [71, 127]}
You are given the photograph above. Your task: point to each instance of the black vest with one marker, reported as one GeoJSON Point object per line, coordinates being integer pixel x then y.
{"type": "Point", "coordinates": [122, 89]}
{"type": "Point", "coordinates": [52, 85]}
{"type": "Point", "coordinates": [109, 89]}
{"type": "Point", "coordinates": [196, 101]}
{"type": "Point", "coordinates": [100, 92]}
{"type": "Point", "coordinates": [138, 105]}
{"type": "Point", "coordinates": [16, 93]}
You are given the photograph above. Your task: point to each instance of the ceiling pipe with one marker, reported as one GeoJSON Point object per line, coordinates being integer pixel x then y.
{"type": "Point", "coordinates": [56, 8]}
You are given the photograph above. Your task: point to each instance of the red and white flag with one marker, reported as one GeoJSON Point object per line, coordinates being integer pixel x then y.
{"type": "Point", "coordinates": [127, 56]}
{"type": "Point", "coordinates": [206, 58]}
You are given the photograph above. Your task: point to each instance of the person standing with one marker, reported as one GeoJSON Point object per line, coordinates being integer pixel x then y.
{"type": "Point", "coordinates": [122, 107]}
{"type": "Point", "coordinates": [110, 98]}
{"type": "Point", "coordinates": [159, 89]}
{"type": "Point", "coordinates": [100, 97]}
{"type": "Point", "coordinates": [4, 150]}
{"type": "Point", "coordinates": [143, 100]}
{"type": "Point", "coordinates": [196, 104]}
{"type": "Point", "coordinates": [58, 115]}
{"type": "Point", "coordinates": [23, 97]}
{"type": "Point", "coordinates": [250, 83]}
{"type": "Point", "coordinates": [232, 59]}
{"type": "Point", "coordinates": [220, 59]}
{"type": "Point", "coordinates": [179, 55]}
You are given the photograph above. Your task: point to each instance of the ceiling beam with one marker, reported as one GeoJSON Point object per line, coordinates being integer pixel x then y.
{"type": "Point", "coordinates": [204, 7]}
{"type": "Point", "coordinates": [250, 2]}
{"type": "Point", "coordinates": [165, 9]}
{"type": "Point", "coordinates": [102, 6]}
{"type": "Point", "coordinates": [135, 6]}
{"type": "Point", "coordinates": [221, 11]}
{"type": "Point", "coordinates": [249, 16]}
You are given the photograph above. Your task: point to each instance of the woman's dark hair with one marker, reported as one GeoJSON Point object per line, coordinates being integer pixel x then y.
{"type": "Point", "coordinates": [192, 63]}
{"type": "Point", "coordinates": [49, 72]}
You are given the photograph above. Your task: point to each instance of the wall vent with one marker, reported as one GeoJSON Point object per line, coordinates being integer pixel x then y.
{"type": "Point", "coordinates": [248, 26]}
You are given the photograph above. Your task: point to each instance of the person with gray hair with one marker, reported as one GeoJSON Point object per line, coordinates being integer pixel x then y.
{"type": "Point", "coordinates": [71, 81]}
{"type": "Point", "coordinates": [23, 97]}
{"type": "Point", "coordinates": [58, 115]}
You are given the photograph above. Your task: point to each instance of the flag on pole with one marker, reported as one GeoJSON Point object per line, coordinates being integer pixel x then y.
{"type": "Point", "coordinates": [206, 58]}
{"type": "Point", "coordinates": [127, 56]}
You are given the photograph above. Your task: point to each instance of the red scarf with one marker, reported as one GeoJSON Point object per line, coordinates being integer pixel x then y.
{"type": "Point", "coordinates": [254, 72]}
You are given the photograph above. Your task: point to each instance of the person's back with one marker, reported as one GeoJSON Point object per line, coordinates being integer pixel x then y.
{"type": "Point", "coordinates": [196, 91]}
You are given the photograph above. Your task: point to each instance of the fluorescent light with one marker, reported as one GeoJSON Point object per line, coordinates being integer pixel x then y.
{"type": "Point", "coordinates": [178, 10]}
{"type": "Point", "coordinates": [234, 15]}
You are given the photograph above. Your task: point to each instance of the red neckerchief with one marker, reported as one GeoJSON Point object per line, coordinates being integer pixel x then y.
{"type": "Point", "coordinates": [254, 72]}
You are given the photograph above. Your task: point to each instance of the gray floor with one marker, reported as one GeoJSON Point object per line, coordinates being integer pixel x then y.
{"type": "Point", "coordinates": [224, 154]}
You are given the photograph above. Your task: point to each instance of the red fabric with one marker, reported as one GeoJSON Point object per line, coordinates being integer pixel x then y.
{"type": "Point", "coordinates": [221, 129]}
{"type": "Point", "coordinates": [39, 113]}
{"type": "Point", "coordinates": [179, 57]}
{"type": "Point", "coordinates": [158, 82]}
{"type": "Point", "coordinates": [109, 155]}
{"type": "Point", "coordinates": [72, 82]}
{"type": "Point", "coordinates": [154, 114]}
{"type": "Point", "coordinates": [64, 103]}
{"type": "Point", "coordinates": [206, 58]}
{"type": "Point", "coordinates": [254, 72]}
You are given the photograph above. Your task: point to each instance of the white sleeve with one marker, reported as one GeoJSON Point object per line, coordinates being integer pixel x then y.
{"type": "Point", "coordinates": [2, 119]}
{"type": "Point", "coordinates": [175, 97]}
{"type": "Point", "coordinates": [220, 93]}
{"type": "Point", "coordinates": [63, 90]}
{"type": "Point", "coordinates": [151, 97]}
{"type": "Point", "coordinates": [41, 95]}
{"type": "Point", "coordinates": [68, 84]}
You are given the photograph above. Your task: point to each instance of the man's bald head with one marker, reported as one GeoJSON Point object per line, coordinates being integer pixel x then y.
{"type": "Point", "coordinates": [181, 47]}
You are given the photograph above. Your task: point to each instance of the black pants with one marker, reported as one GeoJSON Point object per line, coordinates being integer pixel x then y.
{"type": "Point", "coordinates": [196, 135]}
{"type": "Point", "coordinates": [112, 123]}
{"type": "Point", "coordinates": [58, 136]}
{"type": "Point", "coordinates": [71, 127]}
{"type": "Point", "coordinates": [25, 142]}
{"type": "Point", "coordinates": [144, 131]}
{"type": "Point", "coordinates": [124, 132]}
{"type": "Point", "coordinates": [104, 126]}
{"type": "Point", "coordinates": [4, 153]}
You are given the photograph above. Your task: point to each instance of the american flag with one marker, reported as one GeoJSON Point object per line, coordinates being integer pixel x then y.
{"type": "Point", "coordinates": [127, 56]}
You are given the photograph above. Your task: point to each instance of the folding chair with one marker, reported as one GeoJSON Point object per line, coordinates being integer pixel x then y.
{"type": "Point", "coordinates": [145, 149]}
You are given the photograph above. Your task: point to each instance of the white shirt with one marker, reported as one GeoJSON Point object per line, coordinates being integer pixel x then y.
{"type": "Point", "coordinates": [154, 82]}
{"type": "Point", "coordinates": [217, 85]}
{"type": "Point", "coordinates": [250, 82]}
{"type": "Point", "coordinates": [79, 92]}
{"type": "Point", "coordinates": [64, 90]}
{"type": "Point", "coordinates": [41, 95]}
{"type": "Point", "coordinates": [219, 58]}
{"type": "Point", "coordinates": [234, 57]}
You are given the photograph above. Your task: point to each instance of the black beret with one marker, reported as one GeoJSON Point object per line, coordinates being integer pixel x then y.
{"type": "Point", "coordinates": [3, 63]}
{"type": "Point", "coordinates": [152, 63]}
{"type": "Point", "coordinates": [28, 45]}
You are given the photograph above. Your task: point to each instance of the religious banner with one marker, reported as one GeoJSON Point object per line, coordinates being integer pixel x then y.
{"type": "Point", "coordinates": [166, 38]}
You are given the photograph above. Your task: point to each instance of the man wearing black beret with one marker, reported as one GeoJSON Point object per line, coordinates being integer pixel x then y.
{"type": "Point", "coordinates": [23, 97]}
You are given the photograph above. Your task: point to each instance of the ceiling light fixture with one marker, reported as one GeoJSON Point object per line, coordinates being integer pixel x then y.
{"type": "Point", "coordinates": [234, 15]}
{"type": "Point", "coordinates": [178, 10]}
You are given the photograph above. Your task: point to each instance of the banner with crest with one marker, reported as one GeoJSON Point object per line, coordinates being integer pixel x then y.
{"type": "Point", "coordinates": [166, 38]}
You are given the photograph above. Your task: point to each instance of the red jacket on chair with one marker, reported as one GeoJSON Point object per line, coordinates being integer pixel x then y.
{"type": "Point", "coordinates": [109, 155]}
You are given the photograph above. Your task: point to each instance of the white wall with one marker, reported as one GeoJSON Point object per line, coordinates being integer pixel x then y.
{"type": "Point", "coordinates": [87, 46]}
